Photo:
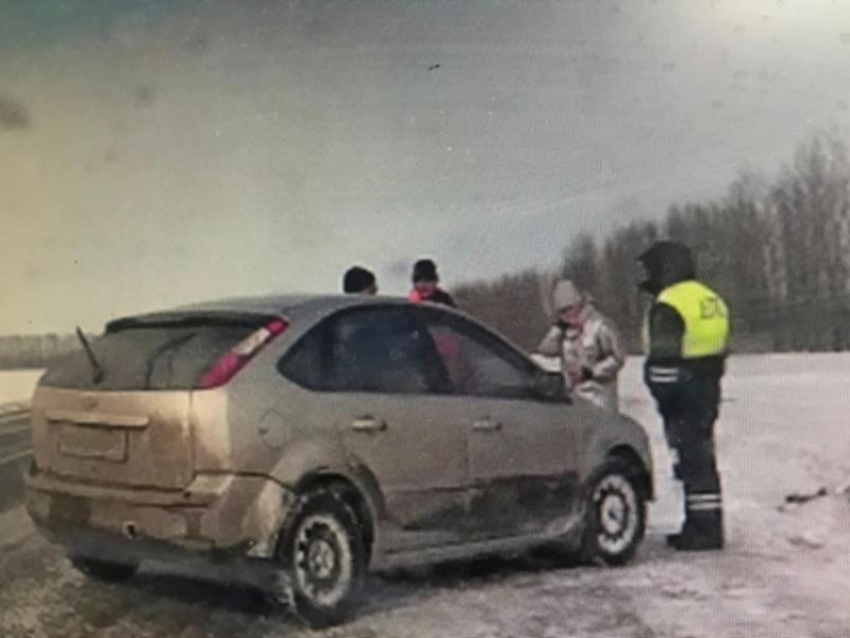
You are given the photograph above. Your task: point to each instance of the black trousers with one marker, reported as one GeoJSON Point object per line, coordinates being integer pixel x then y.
{"type": "Point", "coordinates": [690, 411]}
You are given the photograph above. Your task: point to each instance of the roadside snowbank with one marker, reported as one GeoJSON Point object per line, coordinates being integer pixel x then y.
{"type": "Point", "coordinates": [16, 387]}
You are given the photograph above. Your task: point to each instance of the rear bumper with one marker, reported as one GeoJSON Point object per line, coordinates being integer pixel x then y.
{"type": "Point", "coordinates": [220, 513]}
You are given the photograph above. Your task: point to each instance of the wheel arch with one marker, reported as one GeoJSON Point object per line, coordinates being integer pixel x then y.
{"type": "Point", "coordinates": [629, 455]}
{"type": "Point", "coordinates": [358, 492]}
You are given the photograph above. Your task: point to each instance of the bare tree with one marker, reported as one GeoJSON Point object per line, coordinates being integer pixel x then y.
{"type": "Point", "coordinates": [581, 263]}
{"type": "Point", "coordinates": [779, 254]}
{"type": "Point", "coordinates": [512, 304]}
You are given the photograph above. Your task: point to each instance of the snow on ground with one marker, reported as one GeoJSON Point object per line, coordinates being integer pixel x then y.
{"type": "Point", "coordinates": [785, 572]}
{"type": "Point", "coordinates": [16, 386]}
{"type": "Point", "coordinates": [784, 429]}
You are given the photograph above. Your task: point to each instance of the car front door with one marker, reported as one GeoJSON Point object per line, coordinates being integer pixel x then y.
{"type": "Point", "coordinates": [523, 450]}
{"type": "Point", "coordinates": [380, 381]}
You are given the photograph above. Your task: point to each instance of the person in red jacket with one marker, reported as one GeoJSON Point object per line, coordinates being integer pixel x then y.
{"type": "Point", "coordinates": [426, 284]}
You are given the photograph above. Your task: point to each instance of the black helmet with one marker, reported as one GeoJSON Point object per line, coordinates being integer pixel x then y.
{"type": "Point", "coordinates": [666, 263]}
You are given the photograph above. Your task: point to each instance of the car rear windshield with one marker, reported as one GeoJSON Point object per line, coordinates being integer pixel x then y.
{"type": "Point", "coordinates": [150, 355]}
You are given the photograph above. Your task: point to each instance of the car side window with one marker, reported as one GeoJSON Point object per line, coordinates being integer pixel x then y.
{"type": "Point", "coordinates": [478, 363]}
{"type": "Point", "coordinates": [304, 363]}
{"type": "Point", "coordinates": [383, 350]}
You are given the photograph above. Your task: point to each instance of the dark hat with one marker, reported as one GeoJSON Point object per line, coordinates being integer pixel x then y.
{"type": "Point", "coordinates": [667, 262]}
{"type": "Point", "coordinates": [357, 279]}
{"type": "Point", "coordinates": [425, 270]}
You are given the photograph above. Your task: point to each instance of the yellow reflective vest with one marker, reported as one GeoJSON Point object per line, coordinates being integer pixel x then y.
{"type": "Point", "coordinates": [706, 318]}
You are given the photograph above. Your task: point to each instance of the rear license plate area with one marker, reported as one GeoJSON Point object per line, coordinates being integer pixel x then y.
{"type": "Point", "coordinates": [95, 443]}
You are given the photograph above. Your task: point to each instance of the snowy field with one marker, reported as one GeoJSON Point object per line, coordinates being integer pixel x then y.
{"type": "Point", "coordinates": [785, 573]}
{"type": "Point", "coordinates": [17, 386]}
{"type": "Point", "coordinates": [784, 430]}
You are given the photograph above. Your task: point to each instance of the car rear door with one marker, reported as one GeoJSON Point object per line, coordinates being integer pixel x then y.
{"type": "Point", "coordinates": [523, 450]}
{"type": "Point", "coordinates": [378, 379]}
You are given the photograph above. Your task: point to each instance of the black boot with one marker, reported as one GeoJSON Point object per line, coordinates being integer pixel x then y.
{"type": "Point", "coordinates": [686, 542]}
{"type": "Point", "coordinates": [676, 540]}
{"type": "Point", "coordinates": [673, 540]}
{"type": "Point", "coordinates": [703, 531]}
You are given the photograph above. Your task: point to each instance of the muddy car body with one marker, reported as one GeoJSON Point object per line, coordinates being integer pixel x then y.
{"type": "Point", "coordinates": [323, 436]}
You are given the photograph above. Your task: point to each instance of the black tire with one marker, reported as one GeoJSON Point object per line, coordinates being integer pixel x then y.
{"type": "Point", "coordinates": [615, 514]}
{"type": "Point", "coordinates": [322, 557]}
{"type": "Point", "coordinates": [105, 571]}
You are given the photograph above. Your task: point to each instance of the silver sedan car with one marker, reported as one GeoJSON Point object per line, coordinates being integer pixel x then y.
{"type": "Point", "coordinates": [322, 437]}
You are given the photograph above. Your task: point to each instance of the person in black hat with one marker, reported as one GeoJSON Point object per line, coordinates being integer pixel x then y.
{"type": "Point", "coordinates": [687, 336]}
{"type": "Point", "coordinates": [359, 281]}
{"type": "Point", "coordinates": [425, 284]}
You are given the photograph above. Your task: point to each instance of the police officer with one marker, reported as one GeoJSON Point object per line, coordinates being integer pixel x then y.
{"type": "Point", "coordinates": [687, 334]}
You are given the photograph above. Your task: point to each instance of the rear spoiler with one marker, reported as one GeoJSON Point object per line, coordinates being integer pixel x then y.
{"type": "Point", "coordinates": [192, 319]}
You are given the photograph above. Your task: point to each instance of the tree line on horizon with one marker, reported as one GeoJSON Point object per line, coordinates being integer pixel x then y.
{"type": "Point", "coordinates": [19, 352]}
{"type": "Point", "coordinates": [776, 250]}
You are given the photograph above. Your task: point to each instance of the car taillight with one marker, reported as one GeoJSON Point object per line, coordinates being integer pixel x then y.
{"type": "Point", "coordinates": [239, 355]}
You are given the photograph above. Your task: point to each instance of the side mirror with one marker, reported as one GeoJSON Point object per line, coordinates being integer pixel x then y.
{"type": "Point", "coordinates": [550, 386]}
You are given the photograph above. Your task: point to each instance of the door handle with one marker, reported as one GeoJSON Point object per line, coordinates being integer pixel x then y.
{"type": "Point", "coordinates": [368, 424]}
{"type": "Point", "coordinates": [486, 425]}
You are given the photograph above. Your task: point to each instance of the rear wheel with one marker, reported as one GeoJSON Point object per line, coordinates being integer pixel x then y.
{"type": "Point", "coordinates": [106, 571]}
{"type": "Point", "coordinates": [322, 556]}
{"type": "Point", "coordinates": [615, 514]}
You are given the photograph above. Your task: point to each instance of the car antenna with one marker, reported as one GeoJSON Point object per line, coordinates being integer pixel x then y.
{"type": "Point", "coordinates": [96, 368]}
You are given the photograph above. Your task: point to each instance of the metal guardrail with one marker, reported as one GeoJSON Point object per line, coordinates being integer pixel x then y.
{"type": "Point", "coordinates": [16, 454]}
{"type": "Point", "coordinates": [14, 422]}
{"type": "Point", "coordinates": [14, 409]}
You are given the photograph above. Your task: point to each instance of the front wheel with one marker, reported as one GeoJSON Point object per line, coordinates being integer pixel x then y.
{"type": "Point", "coordinates": [615, 514]}
{"type": "Point", "coordinates": [323, 557]}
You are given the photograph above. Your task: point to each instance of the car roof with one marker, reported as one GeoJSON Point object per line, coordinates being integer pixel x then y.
{"type": "Point", "coordinates": [283, 304]}
{"type": "Point", "coordinates": [291, 307]}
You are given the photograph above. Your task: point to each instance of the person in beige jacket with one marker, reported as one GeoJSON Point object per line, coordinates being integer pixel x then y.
{"type": "Point", "coordinates": [587, 344]}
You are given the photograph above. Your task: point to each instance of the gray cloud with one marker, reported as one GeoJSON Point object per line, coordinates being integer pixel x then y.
{"type": "Point", "coordinates": [275, 144]}
{"type": "Point", "coordinates": [14, 115]}
{"type": "Point", "coordinates": [145, 95]}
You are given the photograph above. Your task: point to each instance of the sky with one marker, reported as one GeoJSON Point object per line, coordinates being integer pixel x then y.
{"type": "Point", "coordinates": [162, 152]}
